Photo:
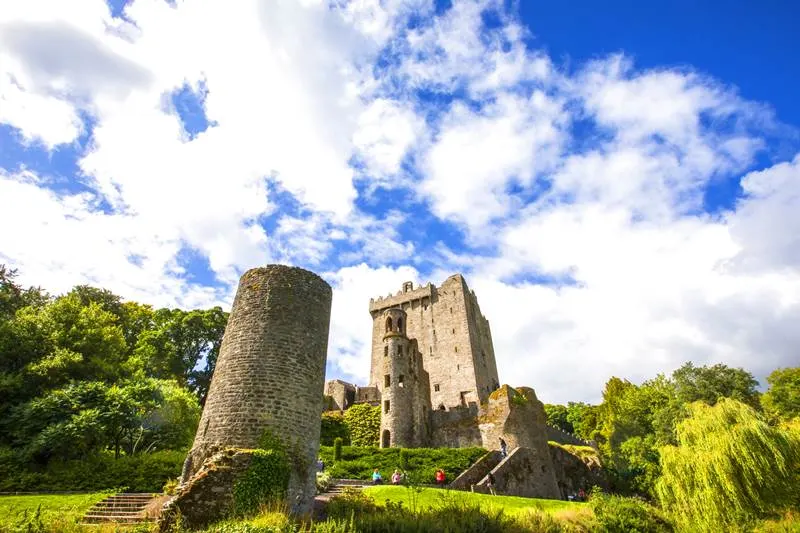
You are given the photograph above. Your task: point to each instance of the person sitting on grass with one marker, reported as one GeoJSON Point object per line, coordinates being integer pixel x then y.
{"type": "Point", "coordinates": [377, 479]}
{"type": "Point", "coordinates": [397, 477]}
{"type": "Point", "coordinates": [440, 477]}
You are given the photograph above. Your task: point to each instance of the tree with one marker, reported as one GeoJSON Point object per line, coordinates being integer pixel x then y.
{"type": "Point", "coordinates": [729, 469]}
{"type": "Point", "coordinates": [782, 400]}
{"type": "Point", "coordinates": [710, 383]}
{"type": "Point", "coordinates": [557, 416]}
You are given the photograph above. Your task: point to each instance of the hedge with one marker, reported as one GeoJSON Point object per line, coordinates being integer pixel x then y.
{"type": "Point", "coordinates": [146, 472]}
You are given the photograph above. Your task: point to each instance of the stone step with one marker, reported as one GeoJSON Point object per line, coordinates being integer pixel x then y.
{"type": "Point", "coordinates": [126, 508]}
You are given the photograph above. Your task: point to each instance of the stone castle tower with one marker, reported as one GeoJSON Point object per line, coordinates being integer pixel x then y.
{"type": "Point", "coordinates": [405, 402]}
{"type": "Point", "coordinates": [451, 335]}
{"type": "Point", "coordinates": [269, 374]}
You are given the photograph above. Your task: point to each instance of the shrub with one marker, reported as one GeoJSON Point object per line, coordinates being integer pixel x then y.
{"type": "Point", "coordinates": [337, 449]}
{"type": "Point", "coordinates": [146, 472]}
{"type": "Point", "coordinates": [616, 514]}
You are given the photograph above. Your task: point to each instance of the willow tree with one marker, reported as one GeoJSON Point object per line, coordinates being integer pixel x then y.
{"type": "Point", "coordinates": [730, 468]}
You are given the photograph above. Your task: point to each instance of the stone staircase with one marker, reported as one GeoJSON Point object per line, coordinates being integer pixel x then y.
{"type": "Point", "coordinates": [124, 508]}
{"type": "Point", "coordinates": [477, 472]}
{"type": "Point", "coordinates": [339, 486]}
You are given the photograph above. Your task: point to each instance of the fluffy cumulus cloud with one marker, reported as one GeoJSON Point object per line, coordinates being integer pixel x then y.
{"type": "Point", "coordinates": [384, 141]}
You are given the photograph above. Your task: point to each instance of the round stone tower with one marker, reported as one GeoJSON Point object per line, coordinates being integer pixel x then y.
{"type": "Point", "coordinates": [397, 393]}
{"type": "Point", "coordinates": [270, 374]}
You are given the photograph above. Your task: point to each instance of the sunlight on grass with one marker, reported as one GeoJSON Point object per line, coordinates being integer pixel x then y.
{"type": "Point", "coordinates": [429, 497]}
{"type": "Point", "coordinates": [58, 512]}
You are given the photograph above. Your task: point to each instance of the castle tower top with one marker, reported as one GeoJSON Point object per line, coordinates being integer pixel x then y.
{"type": "Point", "coordinates": [395, 322]}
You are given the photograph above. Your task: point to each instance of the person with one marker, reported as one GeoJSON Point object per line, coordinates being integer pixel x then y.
{"type": "Point", "coordinates": [320, 464]}
{"type": "Point", "coordinates": [581, 495]}
{"type": "Point", "coordinates": [440, 477]}
{"type": "Point", "coordinates": [377, 479]}
{"type": "Point", "coordinates": [490, 482]}
{"type": "Point", "coordinates": [503, 448]}
{"type": "Point", "coordinates": [396, 477]}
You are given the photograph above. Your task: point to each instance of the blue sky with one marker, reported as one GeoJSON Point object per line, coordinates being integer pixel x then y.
{"type": "Point", "coordinates": [619, 182]}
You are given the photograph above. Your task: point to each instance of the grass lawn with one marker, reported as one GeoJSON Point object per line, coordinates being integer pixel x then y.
{"type": "Point", "coordinates": [433, 497]}
{"type": "Point", "coordinates": [59, 512]}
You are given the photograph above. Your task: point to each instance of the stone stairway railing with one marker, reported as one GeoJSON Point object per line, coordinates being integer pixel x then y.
{"type": "Point", "coordinates": [478, 471]}
{"type": "Point", "coordinates": [128, 508]}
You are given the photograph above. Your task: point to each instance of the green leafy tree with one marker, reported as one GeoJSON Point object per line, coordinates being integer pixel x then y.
{"type": "Point", "coordinates": [782, 400]}
{"type": "Point", "coordinates": [558, 417]}
{"type": "Point", "coordinates": [710, 383]}
{"type": "Point", "coordinates": [584, 419]}
{"type": "Point", "coordinates": [333, 427]}
{"type": "Point", "coordinates": [364, 424]}
{"type": "Point", "coordinates": [729, 469]}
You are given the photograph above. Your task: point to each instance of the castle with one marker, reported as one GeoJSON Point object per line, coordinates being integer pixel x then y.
{"type": "Point", "coordinates": [432, 365]}
{"type": "Point", "coordinates": [434, 375]}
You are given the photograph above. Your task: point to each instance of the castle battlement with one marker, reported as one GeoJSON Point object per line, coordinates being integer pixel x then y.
{"type": "Point", "coordinates": [404, 295]}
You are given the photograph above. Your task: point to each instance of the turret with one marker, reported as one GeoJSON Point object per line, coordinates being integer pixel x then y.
{"type": "Point", "coordinates": [397, 427]}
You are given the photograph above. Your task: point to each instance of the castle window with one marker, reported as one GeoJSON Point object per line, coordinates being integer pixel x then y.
{"type": "Point", "coordinates": [451, 310]}
{"type": "Point", "coordinates": [453, 331]}
{"type": "Point", "coordinates": [400, 350]}
{"type": "Point", "coordinates": [430, 349]}
{"type": "Point", "coordinates": [455, 349]}
{"type": "Point", "coordinates": [458, 367]}
{"type": "Point", "coordinates": [386, 406]}
{"type": "Point", "coordinates": [386, 439]}
{"type": "Point", "coordinates": [389, 324]}
{"type": "Point", "coordinates": [386, 351]}
{"type": "Point", "coordinates": [400, 325]}
{"type": "Point", "coordinates": [387, 380]}
{"type": "Point", "coordinates": [400, 381]}
{"type": "Point", "coordinates": [436, 387]}
{"type": "Point", "coordinates": [441, 407]}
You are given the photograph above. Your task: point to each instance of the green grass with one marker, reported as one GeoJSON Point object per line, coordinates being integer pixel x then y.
{"type": "Point", "coordinates": [58, 512]}
{"type": "Point", "coordinates": [432, 498]}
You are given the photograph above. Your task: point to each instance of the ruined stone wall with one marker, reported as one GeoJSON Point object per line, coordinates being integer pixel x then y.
{"type": "Point", "coordinates": [573, 474]}
{"type": "Point", "coordinates": [342, 394]}
{"type": "Point", "coordinates": [456, 427]}
{"type": "Point", "coordinates": [270, 373]}
{"type": "Point", "coordinates": [452, 335]}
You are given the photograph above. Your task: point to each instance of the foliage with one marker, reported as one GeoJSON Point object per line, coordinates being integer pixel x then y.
{"type": "Point", "coordinates": [265, 480]}
{"type": "Point", "coordinates": [358, 462]}
{"type": "Point", "coordinates": [557, 416]}
{"type": "Point", "coordinates": [782, 400]}
{"type": "Point", "coordinates": [364, 424]}
{"type": "Point", "coordinates": [333, 427]}
{"type": "Point", "coordinates": [337, 449]}
{"type": "Point", "coordinates": [710, 383]}
{"type": "Point", "coordinates": [729, 469]}
{"type": "Point", "coordinates": [138, 473]}
{"type": "Point", "coordinates": [587, 454]}
{"type": "Point", "coordinates": [615, 514]}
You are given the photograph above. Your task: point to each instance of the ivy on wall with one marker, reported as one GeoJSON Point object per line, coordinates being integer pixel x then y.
{"type": "Point", "coordinates": [364, 423]}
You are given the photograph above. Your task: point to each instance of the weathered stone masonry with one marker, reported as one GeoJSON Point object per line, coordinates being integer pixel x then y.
{"type": "Point", "coordinates": [270, 373]}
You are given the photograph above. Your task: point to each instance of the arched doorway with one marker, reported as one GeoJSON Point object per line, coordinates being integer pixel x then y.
{"type": "Point", "coordinates": [386, 439]}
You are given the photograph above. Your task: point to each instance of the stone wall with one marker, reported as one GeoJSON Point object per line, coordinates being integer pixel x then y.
{"type": "Point", "coordinates": [455, 428]}
{"type": "Point", "coordinates": [342, 394]}
{"type": "Point", "coordinates": [525, 472]}
{"type": "Point", "coordinates": [475, 473]}
{"type": "Point", "coordinates": [556, 435]}
{"type": "Point", "coordinates": [209, 494]}
{"type": "Point", "coordinates": [573, 474]}
{"type": "Point", "coordinates": [270, 373]}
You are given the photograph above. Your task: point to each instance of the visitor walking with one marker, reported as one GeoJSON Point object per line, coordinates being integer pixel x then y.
{"type": "Point", "coordinates": [490, 482]}
{"type": "Point", "coordinates": [503, 448]}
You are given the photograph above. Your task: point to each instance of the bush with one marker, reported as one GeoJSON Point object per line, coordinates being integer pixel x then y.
{"type": "Point", "coordinates": [616, 514]}
{"type": "Point", "coordinates": [146, 472]}
{"type": "Point", "coordinates": [333, 427]}
{"type": "Point", "coordinates": [358, 462]}
{"type": "Point", "coordinates": [337, 449]}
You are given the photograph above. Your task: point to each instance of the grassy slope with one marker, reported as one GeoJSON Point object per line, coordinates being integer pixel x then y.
{"type": "Point", "coordinates": [434, 497]}
{"type": "Point", "coordinates": [59, 512]}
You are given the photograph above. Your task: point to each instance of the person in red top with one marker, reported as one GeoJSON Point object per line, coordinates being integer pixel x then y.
{"type": "Point", "coordinates": [440, 477]}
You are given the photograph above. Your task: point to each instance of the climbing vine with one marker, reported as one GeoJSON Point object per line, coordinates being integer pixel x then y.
{"type": "Point", "coordinates": [265, 480]}
{"type": "Point", "coordinates": [364, 422]}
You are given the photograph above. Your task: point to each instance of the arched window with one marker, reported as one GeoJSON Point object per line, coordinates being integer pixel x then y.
{"type": "Point", "coordinates": [400, 325]}
{"type": "Point", "coordinates": [389, 324]}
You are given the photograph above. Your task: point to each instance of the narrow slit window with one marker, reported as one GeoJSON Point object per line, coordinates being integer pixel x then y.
{"type": "Point", "coordinates": [387, 380]}
{"type": "Point", "coordinates": [400, 382]}
{"type": "Point", "coordinates": [436, 387]}
{"type": "Point", "coordinates": [385, 351]}
{"type": "Point", "coordinates": [386, 406]}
